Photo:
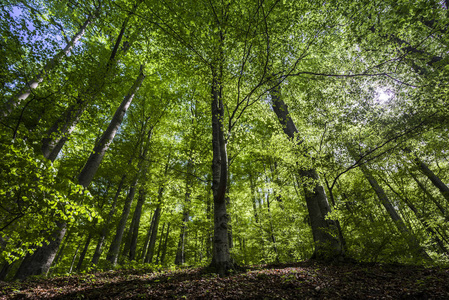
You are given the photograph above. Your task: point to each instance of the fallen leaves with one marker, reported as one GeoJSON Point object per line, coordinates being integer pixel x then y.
{"type": "Point", "coordinates": [304, 280]}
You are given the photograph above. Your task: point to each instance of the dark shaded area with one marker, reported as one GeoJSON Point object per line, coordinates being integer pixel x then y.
{"type": "Point", "coordinates": [302, 280]}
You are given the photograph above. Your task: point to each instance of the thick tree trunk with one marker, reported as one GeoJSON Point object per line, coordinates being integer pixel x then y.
{"type": "Point", "coordinates": [93, 163]}
{"type": "Point", "coordinates": [23, 94]}
{"type": "Point", "coordinates": [327, 245]}
{"type": "Point", "coordinates": [40, 261]}
{"type": "Point", "coordinates": [221, 259]}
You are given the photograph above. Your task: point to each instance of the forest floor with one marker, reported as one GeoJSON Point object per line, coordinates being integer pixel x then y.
{"type": "Point", "coordinates": [303, 280]}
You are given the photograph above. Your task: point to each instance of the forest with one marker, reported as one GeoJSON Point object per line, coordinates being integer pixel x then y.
{"type": "Point", "coordinates": [222, 134]}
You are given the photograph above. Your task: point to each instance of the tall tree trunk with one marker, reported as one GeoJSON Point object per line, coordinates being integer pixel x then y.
{"type": "Point", "coordinates": [147, 241]}
{"type": "Point", "coordinates": [273, 238]}
{"type": "Point", "coordinates": [59, 132]}
{"type": "Point", "coordinates": [430, 196]}
{"type": "Point", "coordinates": [116, 242]}
{"type": "Point", "coordinates": [105, 229]}
{"type": "Point", "coordinates": [23, 94]}
{"type": "Point", "coordinates": [221, 259]}
{"type": "Point", "coordinates": [386, 203]}
{"type": "Point", "coordinates": [93, 162]}
{"type": "Point", "coordinates": [164, 249]}
{"type": "Point", "coordinates": [161, 242]}
{"type": "Point", "coordinates": [83, 253]}
{"type": "Point", "coordinates": [437, 182]}
{"type": "Point", "coordinates": [40, 261]}
{"type": "Point", "coordinates": [327, 245]}
{"type": "Point", "coordinates": [136, 218]}
{"type": "Point", "coordinates": [421, 218]}
{"type": "Point", "coordinates": [154, 228]}
{"type": "Point", "coordinates": [74, 258]}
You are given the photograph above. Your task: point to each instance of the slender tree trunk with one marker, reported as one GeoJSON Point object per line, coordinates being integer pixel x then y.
{"type": "Point", "coordinates": [60, 253]}
{"type": "Point", "coordinates": [161, 242]}
{"type": "Point", "coordinates": [93, 163]}
{"type": "Point", "coordinates": [116, 242]}
{"type": "Point", "coordinates": [83, 253]}
{"type": "Point", "coordinates": [164, 249]}
{"type": "Point", "coordinates": [430, 196]}
{"type": "Point", "coordinates": [386, 203]}
{"type": "Point", "coordinates": [421, 218]}
{"type": "Point", "coordinates": [143, 251]}
{"type": "Point", "coordinates": [23, 94]}
{"type": "Point", "coordinates": [327, 245]}
{"type": "Point", "coordinates": [180, 253]}
{"type": "Point", "coordinates": [437, 182]}
{"type": "Point", "coordinates": [74, 258]}
{"type": "Point", "coordinates": [39, 263]}
{"type": "Point", "coordinates": [154, 228]}
{"type": "Point", "coordinates": [62, 128]}
{"type": "Point", "coordinates": [105, 229]}
{"type": "Point", "coordinates": [273, 238]}
{"type": "Point", "coordinates": [135, 229]}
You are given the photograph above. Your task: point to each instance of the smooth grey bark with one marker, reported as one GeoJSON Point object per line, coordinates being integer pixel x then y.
{"type": "Point", "coordinates": [386, 203]}
{"type": "Point", "coordinates": [23, 94]}
{"type": "Point", "coordinates": [221, 259]}
{"type": "Point", "coordinates": [40, 261]}
{"type": "Point", "coordinates": [327, 246]}
{"type": "Point", "coordinates": [93, 162]}
{"type": "Point", "coordinates": [61, 129]}
{"type": "Point", "coordinates": [105, 229]}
